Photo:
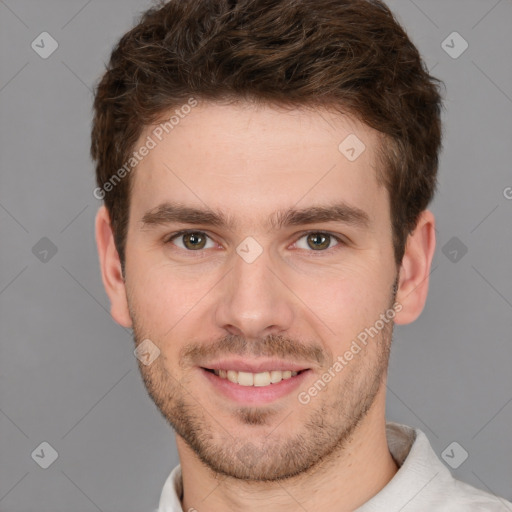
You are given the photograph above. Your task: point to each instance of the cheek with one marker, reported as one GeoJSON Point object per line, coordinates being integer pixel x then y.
{"type": "Point", "coordinates": [346, 300]}
{"type": "Point", "coordinates": [161, 295]}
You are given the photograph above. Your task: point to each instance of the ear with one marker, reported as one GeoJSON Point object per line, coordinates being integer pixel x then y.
{"type": "Point", "coordinates": [111, 272]}
{"type": "Point", "coordinates": [415, 269]}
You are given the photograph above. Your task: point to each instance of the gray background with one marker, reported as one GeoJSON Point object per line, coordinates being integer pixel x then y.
{"type": "Point", "coordinates": [68, 375]}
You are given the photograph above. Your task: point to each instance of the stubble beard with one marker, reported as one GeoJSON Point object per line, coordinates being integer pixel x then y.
{"type": "Point", "coordinates": [328, 428]}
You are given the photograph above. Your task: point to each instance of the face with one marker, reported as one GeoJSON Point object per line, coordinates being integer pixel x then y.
{"type": "Point", "coordinates": [257, 256]}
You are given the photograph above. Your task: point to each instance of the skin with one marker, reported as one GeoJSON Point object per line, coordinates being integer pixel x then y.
{"type": "Point", "coordinates": [295, 302]}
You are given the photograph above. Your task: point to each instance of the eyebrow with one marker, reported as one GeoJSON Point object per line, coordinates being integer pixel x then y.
{"type": "Point", "coordinates": [167, 213]}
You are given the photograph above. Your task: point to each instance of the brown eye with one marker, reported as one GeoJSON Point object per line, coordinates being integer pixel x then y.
{"type": "Point", "coordinates": [318, 240]}
{"type": "Point", "coordinates": [194, 241]}
{"type": "Point", "coordinates": [191, 240]}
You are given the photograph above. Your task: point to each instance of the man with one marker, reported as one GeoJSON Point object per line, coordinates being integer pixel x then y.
{"type": "Point", "coordinates": [266, 169]}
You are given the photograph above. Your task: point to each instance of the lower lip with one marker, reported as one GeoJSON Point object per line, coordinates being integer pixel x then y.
{"type": "Point", "coordinates": [255, 394]}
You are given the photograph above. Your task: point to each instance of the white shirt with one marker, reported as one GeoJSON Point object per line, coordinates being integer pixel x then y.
{"type": "Point", "coordinates": [422, 483]}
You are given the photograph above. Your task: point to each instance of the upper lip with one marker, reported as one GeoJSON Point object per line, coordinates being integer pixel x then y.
{"type": "Point", "coordinates": [254, 366]}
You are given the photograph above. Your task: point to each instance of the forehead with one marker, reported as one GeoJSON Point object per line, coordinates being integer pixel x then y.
{"type": "Point", "coordinates": [251, 160]}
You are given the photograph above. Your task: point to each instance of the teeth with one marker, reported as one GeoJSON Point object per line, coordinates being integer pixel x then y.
{"type": "Point", "coordinates": [261, 379]}
{"type": "Point", "coordinates": [245, 378]}
{"type": "Point", "coordinates": [276, 376]}
{"type": "Point", "coordinates": [255, 379]}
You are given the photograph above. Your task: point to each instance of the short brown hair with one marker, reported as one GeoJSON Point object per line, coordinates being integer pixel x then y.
{"type": "Point", "coordinates": [349, 55]}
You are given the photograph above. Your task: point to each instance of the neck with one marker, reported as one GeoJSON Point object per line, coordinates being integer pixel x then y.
{"type": "Point", "coordinates": [351, 476]}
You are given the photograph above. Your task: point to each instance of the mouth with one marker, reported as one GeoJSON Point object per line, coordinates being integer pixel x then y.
{"type": "Point", "coordinates": [266, 382]}
{"type": "Point", "coordinates": [260, 379]}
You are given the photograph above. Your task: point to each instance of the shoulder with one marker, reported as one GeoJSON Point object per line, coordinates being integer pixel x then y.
{"type": "Point", "coordinates": [423, 483]}
{"type": "Point", "coordinates": [456, 496]}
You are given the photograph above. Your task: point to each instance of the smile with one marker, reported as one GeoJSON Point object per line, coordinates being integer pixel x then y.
{"type": "Point", "coordinates": [255, 388]}
{"type": "Point", "coordinates": [255, 379]}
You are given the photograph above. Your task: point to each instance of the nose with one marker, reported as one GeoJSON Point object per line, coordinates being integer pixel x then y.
{"type": "Point", "coordinates": [254, 299]}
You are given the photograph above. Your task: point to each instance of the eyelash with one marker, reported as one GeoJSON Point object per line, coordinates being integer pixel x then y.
{"type": "Point", "coordinates": [340, 241]}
